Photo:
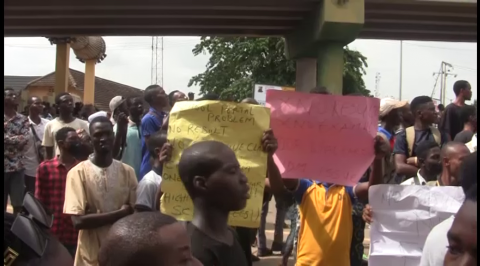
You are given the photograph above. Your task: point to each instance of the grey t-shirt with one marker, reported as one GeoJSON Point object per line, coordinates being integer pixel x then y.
{"type": "Point", "coordinates": [147, 188]}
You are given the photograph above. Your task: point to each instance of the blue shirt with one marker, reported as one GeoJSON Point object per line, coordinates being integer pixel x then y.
{"type": "Point", "coordinates": [304, 184]}
{"type": "Point", "coordinates": [151, 123]}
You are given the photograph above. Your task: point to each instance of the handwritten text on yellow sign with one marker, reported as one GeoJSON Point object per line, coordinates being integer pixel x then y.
{"type": "Point", "coordinates": [240, 126]}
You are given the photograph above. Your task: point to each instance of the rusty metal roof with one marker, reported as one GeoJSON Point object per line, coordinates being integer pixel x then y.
{"type": "Point", "coordinates": [435, 20]}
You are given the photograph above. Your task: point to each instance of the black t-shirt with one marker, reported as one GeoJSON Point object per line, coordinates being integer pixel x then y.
{"type": "Point", "coordinates": [451, 124]}
{"type": "Point", "coordinates": [401, 145]}
{"type": "Point", "coordinates": [211, 252]}
{"type": "Point", "coordinates": [464, 137]}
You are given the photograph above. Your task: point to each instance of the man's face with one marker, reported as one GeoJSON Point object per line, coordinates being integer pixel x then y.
{"type": "Point", "coordinates": [136, 107]}
{"type": "Point", "coordinates": [179, 97]}
{"type": "Point", "coordinates": [428, 113]}
{"type": "Point", "coordinates": [36, 106]}
{"type": "Point", "coordinates": [10, 98]}
{"type": "Point", "coordinates": [462, 237]}
{"type": "Point", "coordinates": [65, 104]}
{"type": "Point", "coordinates": [454, 161]}
{"type": "Point", "coordinates": [160, 97]}
{"type": "Point", "coordinates": [467, 93]}
{"type": "Point", "coordinates": [228, 186]}
{"type": "Point", "coordinates": [433, 163]}
{"type": "Point", "coordinates": [102, 137]}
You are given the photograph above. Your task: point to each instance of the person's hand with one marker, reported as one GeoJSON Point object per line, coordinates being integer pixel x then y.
{"type": "Point", "coordinates": [166, 153]}
{"type": "Point", "coordinates": [127, 208]}
{"type": "Point", "coordinates": [381, 147]}
{"type": "Point", "coordinates": [367, 214]}
{"type": "Point", "coordinates": [269, 142]}
{"type": "Point", "coordinates": [122, 121]}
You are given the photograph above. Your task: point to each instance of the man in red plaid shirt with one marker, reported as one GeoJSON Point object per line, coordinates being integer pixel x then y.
{"type": "Point", "coordinates": [50, 186]}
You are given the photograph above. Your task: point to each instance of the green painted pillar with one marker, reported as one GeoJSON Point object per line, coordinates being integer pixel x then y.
{"type": "Point", "coordinates": [330, 67]}
{"type": "Point", "coordinates": [331, 25]}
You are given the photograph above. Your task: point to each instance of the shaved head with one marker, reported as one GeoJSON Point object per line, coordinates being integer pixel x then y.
{"type": "Point", "coordinates": [453, 148]}
{"type": "Point", "coordinates": [201, 159]}
{"type": "Point", "coordinates": [135, 240]}
{"type": "Point", "coordinates": [453, 154]}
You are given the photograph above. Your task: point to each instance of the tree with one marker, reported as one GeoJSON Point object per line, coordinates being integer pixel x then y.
{"type": "Point", "coordinates": [236, 64]}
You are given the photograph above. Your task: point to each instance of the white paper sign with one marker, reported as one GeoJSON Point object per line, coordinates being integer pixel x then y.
{"type": "Point", "coordinates": [260, 92]}
{"type": "Point", "coordinates": [403, 216]}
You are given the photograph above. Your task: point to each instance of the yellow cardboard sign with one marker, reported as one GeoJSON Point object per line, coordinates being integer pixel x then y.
{"type": "Point", "coordinates": [240, 126]}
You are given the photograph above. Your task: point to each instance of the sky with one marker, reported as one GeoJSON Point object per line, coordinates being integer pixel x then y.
{"type": "Point", "coordinates": [129, 61]}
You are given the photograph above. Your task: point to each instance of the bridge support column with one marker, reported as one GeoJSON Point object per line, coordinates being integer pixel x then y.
{"type": "Point", "coordinates": [330, 27]}
{"type": "Point", "coordinates": [62, 60]}
{"type": "Point", "coordinates": [306, 74]}
{"type": "Point", "coordinates": [89, 83]}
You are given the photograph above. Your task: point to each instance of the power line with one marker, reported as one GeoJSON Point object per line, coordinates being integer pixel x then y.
{"type": "Point", "coordinates": [442, 48]}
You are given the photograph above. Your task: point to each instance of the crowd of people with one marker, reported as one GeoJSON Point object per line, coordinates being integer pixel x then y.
{"type": "Point", "coordinates": [85, 187]}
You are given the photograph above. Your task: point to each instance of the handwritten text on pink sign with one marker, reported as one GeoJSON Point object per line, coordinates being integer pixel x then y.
{"type": "Point", "coordinates": [323, 137]}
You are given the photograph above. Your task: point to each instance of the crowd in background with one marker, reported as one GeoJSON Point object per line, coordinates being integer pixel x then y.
{"type": "Point", "coordinates": [100, 172]}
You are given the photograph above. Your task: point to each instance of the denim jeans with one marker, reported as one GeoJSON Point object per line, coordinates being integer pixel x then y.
{"type": "Point", "coordinates": [279, 222]}
{"type": "Point", "coordinates": [290, 245]}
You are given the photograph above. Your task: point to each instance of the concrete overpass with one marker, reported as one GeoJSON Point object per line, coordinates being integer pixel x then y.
{"type": "Point", "coordinates": [427, 20]}
{"type": "Point", "coordinates": [315, 30]}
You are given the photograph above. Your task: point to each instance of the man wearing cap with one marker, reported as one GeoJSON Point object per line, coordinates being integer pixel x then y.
{"type": "Point", "coordinates": [152, 122]}
{"type": "Point", "coordinates": [390, 119]}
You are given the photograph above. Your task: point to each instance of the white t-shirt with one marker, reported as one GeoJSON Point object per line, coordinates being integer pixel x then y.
{"type": "Point", "coordinates": [53, 126]}
{"type": "Point", "coordinates": [147, 189]}
{"type": "Point", "coordinates": [436, 244]}
{"type": "Point", "coordinates": [30, 160]}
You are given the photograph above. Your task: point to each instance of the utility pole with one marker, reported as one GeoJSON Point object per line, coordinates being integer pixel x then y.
{"type": "Point", "coordinates": [401, 71]}
{"type": "Point", "coordinates": [156, 74]}
{"type": "Point", "coordinates": [377, 85]}
{"type": "Point", "coordinates": [445, 72]}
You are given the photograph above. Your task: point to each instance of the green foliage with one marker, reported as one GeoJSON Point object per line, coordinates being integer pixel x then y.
{"type": "Point", "coordinates": [236, 64]}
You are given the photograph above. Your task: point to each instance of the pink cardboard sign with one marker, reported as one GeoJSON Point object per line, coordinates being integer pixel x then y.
{"type": "Point", "coordinates": [327, 138]}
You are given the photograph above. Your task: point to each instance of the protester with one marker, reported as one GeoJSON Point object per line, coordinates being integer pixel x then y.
{"type": "Point", "coordinates": [429, 162]}
{"type": "Point", "coordinates": [34, 152]}
{"type": "Point", "coordinates": [46, 111]}
{"type": "Point", "coordinates": [212, 177]}
{"type": "Point", "coordinates": [468, 116]}
{"type": "Point", "coordinates": [96, 114]}
{"type": "Point", "coordinates": [451, 123]}
{"type": "Point", "coordinates": [17, 249]}
{"type": "Point", "coordinates": [176, 96]}
{"type": "Point", "coordinates": [446, 168]}
{"type": "Point", "coordinates": [148, 238]}
{"type": "Point", "coordinates": [462, 236]}
{"type": "Point", "coordinates": [117, 106]}
{"type": "Point", "coordinates": [160, 151]}
{"type": "Point", "coordinates": [406, 141]}
{"type": "Point", "coordinates": [99, 191]}
{"type": "Point", "coordinates": [16, 130]}
{"type": "Point", "coordinates": [390, 119]}
{"type": "Point", "coordinates": [128, 132]}
{"type": "Point", "coordinates": [277, 244]}
{"type": "Point", "coordinates": [436, 244]}
{"type": "Point", "coordinates": [64, 102]}
{"type": "Point", "coordinates": [326, 233]}
{"type": "Point", "coordinates": [152, 122]}
{"type": "Point", "coordinates": [50, 186]}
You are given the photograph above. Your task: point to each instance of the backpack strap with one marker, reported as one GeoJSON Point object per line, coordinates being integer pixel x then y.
{"type": "Point", "coordinates": [436, 135]}
{"type": "Point", "coordinates": [410, 136]}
